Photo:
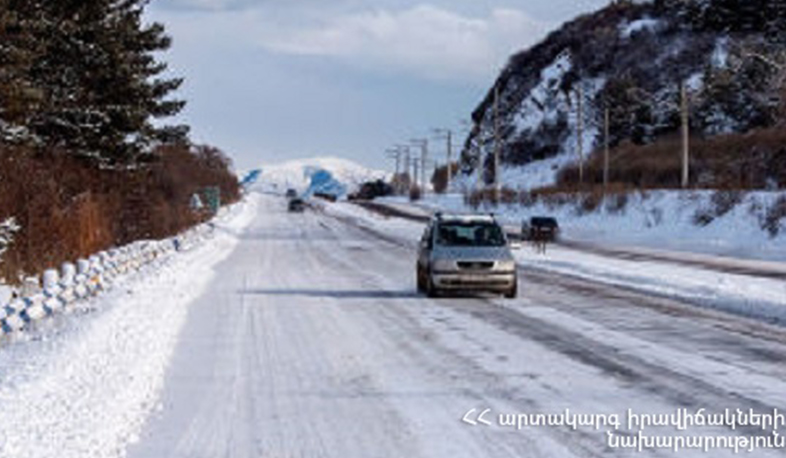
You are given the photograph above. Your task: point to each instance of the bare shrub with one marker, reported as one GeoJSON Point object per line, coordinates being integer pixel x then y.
{"type": "Point", "coordinates": [775, 214]}
{"type": "Point", "coordinates": [589, 202]}
{"type": "Point", "coordinates": [721, 203]}
{"type": "Point", "coordinates": [439, 179]}
{"type": "Point", "coordinates": [472, 199]}
{"type": "Point", "coordinates": [67, 208]}
{"type": "Point", "coordinates": [527, 199]}
{"type": "Point", "coordinates": [703, 217]}
{"type": "Point", "coordinates": [753, 160]}
{"type": "Point", "coordinates": [414, 193]}
{"type": "Point", "coordinates": [508, 196]}
{"type": "Point", "coordinates": [724, 201]}
{"type": "Point", "coordinates": [489, 196]}
{"type": "Point", "coordinates": [616, 202]}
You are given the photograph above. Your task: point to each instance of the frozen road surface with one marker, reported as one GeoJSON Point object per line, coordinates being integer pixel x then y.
{"type": "Point", "coordinates": [308, 340]}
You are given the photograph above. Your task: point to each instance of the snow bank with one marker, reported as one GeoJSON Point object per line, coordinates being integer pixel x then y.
{"type": "Point", "coordinates": [657, 219]}
{"type": "Point", "coordinates": [85, 386]}
{"type": "Point", "coordinates": [62, 288]}
{"type": "Point", "coordinates": [746, 295]}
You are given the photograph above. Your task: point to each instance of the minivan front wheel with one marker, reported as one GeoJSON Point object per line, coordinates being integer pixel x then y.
{"type": "Point", "coordinates": [420, 281]}
{"type": "Point", "coordinates": [431, 290]}
{"type": "Point", "coordinates": [513, 291]}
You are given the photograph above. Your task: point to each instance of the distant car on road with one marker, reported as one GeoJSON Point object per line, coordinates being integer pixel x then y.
{"type": "Point", "coordinates": [371, 190]}
{"type": "Point", "coordinates": [465, 253]}
{"type": "Point", "coordinates": [296, 205]}
{"type": "Point", "coordinates": [326, 196]}
{"type": "Point", "coordinates": [540, 228]}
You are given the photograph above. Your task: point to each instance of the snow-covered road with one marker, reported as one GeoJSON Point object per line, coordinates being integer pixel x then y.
{"type": "Point", "coordinates": [311, 342]}
{"type": "Point", "coordinates": [308, 340]}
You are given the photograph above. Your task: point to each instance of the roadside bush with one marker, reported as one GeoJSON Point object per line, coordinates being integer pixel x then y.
{"type": "Point", "coordinates": [67, 208]}
{"type": "Point", "coordinates": [476, 197]}
{"type": "Point", "coordinates": [616, 202]}
{"type": "Point", "coordinates": [775, 214]}
{"type": "Point", "coordinates": [615, 196]}
{"type": "Point", "coordinates": [724, 201]}
{"type": "Point", "coordinates": [721, 203]}
{"type": "Point", "coordinates": [589, 202]}
{"type": "Point", "coordinates": [414, 193]}
{"type": "Point", "coordinates": [527, 199]}
{"type": "Point", "coordinates": [753, 160]}
{"type": "Point", "coordinates": [703, 217]}
{"type": "Point", "coordinates": [439, 179]}
{"type": "Point", "coordinates": [558, 200]}
{"type": "Point", "coordinates": [508, 196]}
{"type": "Point", "coordinates": [472, 199]}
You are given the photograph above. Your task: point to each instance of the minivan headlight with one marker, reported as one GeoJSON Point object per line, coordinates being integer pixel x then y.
{"type": "Point", "coordinates": [507, 266]}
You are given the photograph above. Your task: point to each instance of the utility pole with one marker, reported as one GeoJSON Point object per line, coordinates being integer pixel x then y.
{"type": "Point", "coordinates": [423, 144]}
{"type": "Point", "coordinates": [415, 167]}
{"type": "Point", "coordinates": [448, 135]}
{"type": "Point", "coordinates": [580, 133]}
{"type": "Point", "coordinates": [398, 152]}
{"type": "Point", "coordinates": [685, 134]}
{"type": "Point", "coordinates": [606, 149]}
{"type": "Point", "coordinates": [410, 179]}
{"type": "Point", "coordinates": [497, 183]}
{"type": "Point", "coordinates": [407, 164]}
{"type": "Point", "coordinates": [423, 159]}
{"type": "Point", "coordinates": [396, 155]}
{"type": "Point", "coordinates": [450, 159]}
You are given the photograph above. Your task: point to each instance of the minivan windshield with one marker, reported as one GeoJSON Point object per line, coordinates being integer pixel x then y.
{"type": "Point", "coordinates": [472, 233]}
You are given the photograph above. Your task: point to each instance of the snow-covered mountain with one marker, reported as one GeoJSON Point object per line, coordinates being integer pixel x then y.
{"type": "Point", "coordinates": [631, 57]}
{"type": "Point", "coordinates": [321, 174]}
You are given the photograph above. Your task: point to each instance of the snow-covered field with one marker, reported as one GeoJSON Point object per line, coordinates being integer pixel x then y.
{"type": "Point", "coordinates": [83, 383]}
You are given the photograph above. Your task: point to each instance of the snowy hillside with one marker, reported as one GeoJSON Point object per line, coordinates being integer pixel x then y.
{"type": "Point", "coordinates": [631, 58]}
{"type": "Point", "coordinates": [328, 174]}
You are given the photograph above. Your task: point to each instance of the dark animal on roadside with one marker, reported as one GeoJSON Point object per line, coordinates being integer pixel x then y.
{"type": "Point", "coordinates": [540, 239]}
{"type": "Point", "coordinates": [540, 230]}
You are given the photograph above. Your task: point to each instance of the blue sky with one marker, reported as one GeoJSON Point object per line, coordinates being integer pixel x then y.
{"type": "Point", "coordinates": [271, 80]}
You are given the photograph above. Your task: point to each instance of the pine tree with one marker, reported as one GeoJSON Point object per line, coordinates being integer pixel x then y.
{"type": "Point", "coordinates": [102, 85]}
{"type": "Point", "coordinates": [775, 24]}
{"type": "Point", "coordinates": [18, 48]}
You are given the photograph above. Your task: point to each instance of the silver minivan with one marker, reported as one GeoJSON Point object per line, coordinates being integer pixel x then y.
{"type": "Point", "coordinates": [465, 253]}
